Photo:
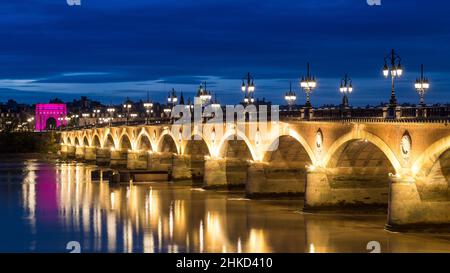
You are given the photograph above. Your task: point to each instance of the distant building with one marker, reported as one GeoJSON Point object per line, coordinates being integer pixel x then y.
{"type": "Point", "coordinates": [50, 116]}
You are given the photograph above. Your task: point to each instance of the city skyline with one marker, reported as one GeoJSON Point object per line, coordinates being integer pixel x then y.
{"type": "Point", "coordinates": [110, 52]}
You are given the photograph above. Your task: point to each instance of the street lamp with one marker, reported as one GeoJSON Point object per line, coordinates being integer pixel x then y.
{"type": "Point", "coordinates": [148, 110]}
{"type": "Point", "coordinates": [392, 66]}
{"type": "Point", "coordinates": [96, 114]}
{"type": "Point", "coordinates": [290, 97]}
{"type": "Point", "coordinates": [172, 99]}
{"type": "Point", "coordinates": [111, 111]}
{"type": "Point", "coordinates": [127, 106]}
{"type": "Point", "coordinates": [203, 93]}
{"type": "Point", "coordinates": [422, 85]}
{"type": "Point", "coordinates": [248, 88]}
{"type": "Point", "coordinates": [308, 84]}
{"type": "Point", "coordinates": [346, 88]}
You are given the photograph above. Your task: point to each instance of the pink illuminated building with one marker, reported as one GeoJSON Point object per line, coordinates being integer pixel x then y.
{"type": "Point", "coordinates": [50, 116]}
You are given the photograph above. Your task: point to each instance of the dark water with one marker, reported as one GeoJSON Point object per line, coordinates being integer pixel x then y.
{"type": "Point", "coordinates": [44, 205]}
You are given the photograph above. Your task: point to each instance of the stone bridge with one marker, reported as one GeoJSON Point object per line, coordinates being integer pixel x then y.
{"type": "Point", "coordinates": [399, 165]}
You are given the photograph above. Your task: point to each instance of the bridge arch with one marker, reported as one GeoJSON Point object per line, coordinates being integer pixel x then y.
{"type": "Point", "coordinates": [274, 145]}
{"type": "Point", "coordinates": [77, 141]}
{"type": "Point", "coordinates": [96, 141]}
{"type": "Point", "coordinates": [361, 135]}
{"type": "Point", "coordinates": [110, 142]}
{"type": "Point", "coordinates": [230, 136]}
{"type": "Point", "coordinates": [423, 165]}
{"type": "Point", "coordinates": [125, 142]}
{"type": "Point", "coordinates": [194, 144]}
{"type": "Point", "coordinates": [86, 141]}
{"type": "Point", "coordinates": [144, 142]}
{"type": "Point", "coordinates": [167, 142]}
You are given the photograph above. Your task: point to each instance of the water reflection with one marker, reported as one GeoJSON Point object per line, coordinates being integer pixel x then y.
{"type": "Point", "coordinates": [59, 203]}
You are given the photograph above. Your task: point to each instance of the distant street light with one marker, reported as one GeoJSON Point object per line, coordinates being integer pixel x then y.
{"type": "Point", "coordinates": [127, 106]}
{"type": "Point", "coordinates": [248, 88]}
{"type": "Point", "coordinates": [204, 94]}
{"type": "Point", "coordinates": [346, 88]}
{"type": "Point", "coordinates": [422, 85]}
{"type": "Point", "coordinates": [111, 111]}
{"type": "Point", "coordinates": [392, 66]}
{"type": "Point", "coordinates": [290, 98]}
{"type": "Point", "coordinates": [148, 110]}
{"type": "Point", "coordinates": [308, 84]}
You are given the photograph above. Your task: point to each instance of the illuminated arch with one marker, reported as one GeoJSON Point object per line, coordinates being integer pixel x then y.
{"type": "Point", "coordinates": [86, 141]}
{"type": "Point", "coordinates": [77, 141]}
{"type": "Point", "coordinates": [140, 137]}
{"type": "Point", "coordinates": [273, 145]}
{"type": "Point", "coordinates": [121, 140]}
{"type": "Point", "coordinates": [192, 138]}
{"type": "Point", "coordinates": [423, 165]}
{"type": "Point", "coordinates": [96, 141]}
{"type": "Point", "coordinates": [161, 139]}
{"type": "Point", "coordinates": [109, 136]}
{"type": "Point", "coordinates": [362, 135]}
{"type": "Point", "coordinates": [230, 134]}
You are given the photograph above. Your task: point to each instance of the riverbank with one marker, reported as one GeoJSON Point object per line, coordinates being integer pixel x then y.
{"type": "Point", "coordinates": [29, 142]}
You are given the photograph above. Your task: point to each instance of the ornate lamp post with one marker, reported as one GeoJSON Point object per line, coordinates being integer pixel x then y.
{"type": "Point", "coordinates": [204, 94]}
{"type": "Point", "coordinates": [248, 88]}
{"type": "Point", "coordinates": [308, 84]}
{"type": "Point", "coordinates": [172, 99]}
{"type": "Point", "coordinates": [148, 110]}
{"type": "Point", "coordinates": [393, 67]}
{"type": "Point", "coordinates": [346, 88]}
{"type": "Point", "coordinates": [127, 107]}
{"type": "Point", "coordinates": [111, 111]}
{"type": "Point", "coordinates": [290, 98]}
{"type": "Point", "coordinates": [97, 116]}
{"type": "Point", "coordinates": [422, 85]}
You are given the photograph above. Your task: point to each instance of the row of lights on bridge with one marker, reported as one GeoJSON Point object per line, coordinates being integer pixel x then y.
{"type": "Point", "coordinates": [392, 68]}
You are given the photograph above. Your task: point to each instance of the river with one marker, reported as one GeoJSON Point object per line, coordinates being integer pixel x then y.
{"type": "Point", "coordinates": [45, 204]}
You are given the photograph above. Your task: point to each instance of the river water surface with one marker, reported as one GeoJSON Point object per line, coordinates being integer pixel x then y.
{"type": "Point", "coordinates": [45, 204]}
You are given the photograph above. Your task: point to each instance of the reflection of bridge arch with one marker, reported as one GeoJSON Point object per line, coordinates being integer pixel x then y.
{"type": "Point", "coordinates": [339, 144]}
{"type": "Point", "coordinates": [230, 136]}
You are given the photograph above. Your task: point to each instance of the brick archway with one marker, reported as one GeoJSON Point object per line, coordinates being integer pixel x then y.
{"type": "Point", "coordinates": [47, 111]}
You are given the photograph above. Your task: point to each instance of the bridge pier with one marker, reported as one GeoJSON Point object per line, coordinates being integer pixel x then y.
{"type": "Point", "coordinates": [67, 151]}
{"type": "Point", "coordinates": [103, 156]}
{"type": "Point", "coordinates": [181, 170]}
{"type": "Point", "coordinates": [90, 154]}
{"type": "Point", "coordinates": [137, 160]}
{"type": "Point", "coordinates": [331, 189]}
{"type": "Point", "coordinates": [119, 158]}
{"type": "Point", "coordinates": [269, 180]}
{"type": "Point", "coordinates": [79, 153]}
{"type": "Point", "coordinates": [410, 209]}
{"type": "Point", "coordinates": [225, 173]}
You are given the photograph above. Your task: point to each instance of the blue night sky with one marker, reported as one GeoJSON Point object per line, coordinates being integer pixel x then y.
{"type": "Point", "coordinates": [109, 50]}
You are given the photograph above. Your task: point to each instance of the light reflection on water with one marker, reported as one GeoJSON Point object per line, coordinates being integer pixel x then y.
{"type": "Point", "coordinates": [44, 205]}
